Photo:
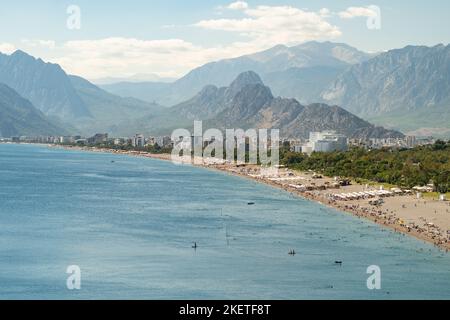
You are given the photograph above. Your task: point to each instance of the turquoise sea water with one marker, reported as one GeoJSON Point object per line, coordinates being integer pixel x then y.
{"type": "Point", "coordinates": [130, 225]}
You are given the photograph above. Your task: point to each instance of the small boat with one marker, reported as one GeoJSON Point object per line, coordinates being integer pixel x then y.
{"type": "Point", "coordinates": [251, 203]}
{"type": "Point", "coordinates": [292, 253]}
{"type": "Point", "coordinates": [194, 246]}
{"type": "Point", "coordinates": [338, 262]}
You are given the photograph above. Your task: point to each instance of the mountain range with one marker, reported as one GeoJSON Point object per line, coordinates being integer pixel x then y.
{"type": "Point", "coordinates": [248, 103]}
{"type": "Point", "coordinates": [322, 60]}
{"type": "Point", "coordinates": [69, 101]}
{"type": "Point", "coordinates": [406, 89]}
{"type": "Point", "coordinates": [322, 85]}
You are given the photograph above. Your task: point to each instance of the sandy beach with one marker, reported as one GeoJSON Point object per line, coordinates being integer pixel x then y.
{"type": "Point", "coordinates": [426, 218]}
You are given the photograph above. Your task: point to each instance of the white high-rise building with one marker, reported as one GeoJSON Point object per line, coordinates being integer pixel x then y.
{"type": "Point", "coordinates": [138, 141]}
{"type": "Point", "coordinates": [163, 141]}
{"type": "Point", "coordinates": [326, 141]}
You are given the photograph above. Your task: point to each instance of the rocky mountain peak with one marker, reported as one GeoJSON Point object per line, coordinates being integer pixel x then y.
{"type": "Point", "coordinates": [21, 54]}
{"type": "Point", "coordinates": [244, 79]}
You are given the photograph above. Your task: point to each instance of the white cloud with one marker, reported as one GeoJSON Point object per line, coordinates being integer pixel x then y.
{"type": "Point", "coordinates": [260, 28]}
{"type": "Point", "coordinates": [354, 12]}
{"type": "Point", "coordinates": [271, 25]}
{"type": "Point", "coordinates": [7, 48]}
{"type": "Point", "coordinates": [325, 13]}
{"type": "Point", "coordinates": [128, 56]}
{"type": "Point", "coordinates": [49, 44]}
{"type": "Point", "coordinates": [238, 5]}
{"type": "Point", "coordinates": [121, 57]}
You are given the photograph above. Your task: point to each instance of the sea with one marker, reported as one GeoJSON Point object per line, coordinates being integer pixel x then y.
{"type": "Point", "coordinates": [83, 225]}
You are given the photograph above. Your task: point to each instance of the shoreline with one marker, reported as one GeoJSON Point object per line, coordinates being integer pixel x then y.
{"type": "Point", "coordinates": [354, 208]}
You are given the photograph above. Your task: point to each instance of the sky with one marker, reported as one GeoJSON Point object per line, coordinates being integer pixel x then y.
{"type": "Point", "coordinates": [121, 38]}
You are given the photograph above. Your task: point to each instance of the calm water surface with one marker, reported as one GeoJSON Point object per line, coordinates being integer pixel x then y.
{"type": "Point", "coordinates": [130, 223]}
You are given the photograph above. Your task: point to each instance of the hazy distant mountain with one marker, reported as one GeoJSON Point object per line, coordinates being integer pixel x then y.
{"type": "Point", "coordinates": [271, 64]}
{"type": "Point", "coordinates": [276, 59]}
{"type": "Point", "coordinates": [155, 92]}
{"type": "Point", "coordinates": [18, 117]}
{"type": "Point", "coordinates": [46, 85]}
{"type": "Point", "coordinates": [137, 78]}
{"type": "Point", "coordinates": [110, 113]}
{"type": "Point", "coordinates": [248, 103]}
{"type": "Point", "coordinates": [304, 84]}
{"type": "Point", "coordinates": [407, 88]}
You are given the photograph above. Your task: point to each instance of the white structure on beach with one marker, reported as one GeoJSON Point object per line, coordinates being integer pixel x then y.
{"type": "Point", "coordinates": [326, 141]}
